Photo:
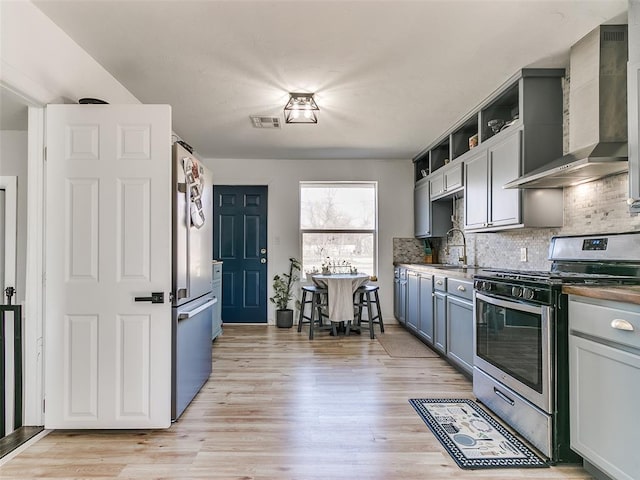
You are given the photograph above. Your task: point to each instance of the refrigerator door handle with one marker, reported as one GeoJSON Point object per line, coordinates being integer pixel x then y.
{"type": "Point", "coordinates": [196, 311]}
{"type": "Point", "coordinates": [187, 219]}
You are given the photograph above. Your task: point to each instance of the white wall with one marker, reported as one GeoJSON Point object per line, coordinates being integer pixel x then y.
{"type": "Point", "coordinates": [13, 163]}
{"type": "Point", "coordinates": [42, 63]}
{"type": "Point", "coordinates": [395, 205]}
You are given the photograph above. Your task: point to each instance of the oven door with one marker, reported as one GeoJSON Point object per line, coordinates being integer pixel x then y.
{"type": "Point", "coordinates": [513, 345]}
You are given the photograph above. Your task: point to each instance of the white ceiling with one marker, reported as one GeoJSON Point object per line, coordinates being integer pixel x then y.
{"type": "Point", "coordinates": [389, 76]}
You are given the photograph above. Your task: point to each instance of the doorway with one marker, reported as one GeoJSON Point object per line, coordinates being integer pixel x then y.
{"type": "Point", "coordinates": [240, 242]}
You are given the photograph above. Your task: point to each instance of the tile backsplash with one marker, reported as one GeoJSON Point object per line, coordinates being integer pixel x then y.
{"type": "Point", "coordinates": [595, 207]}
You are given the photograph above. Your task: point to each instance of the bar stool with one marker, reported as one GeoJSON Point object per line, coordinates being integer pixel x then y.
{"type": "Point", "coordinates": [366, 296]}
{"type": "Point", "coordinates": [317, 297]}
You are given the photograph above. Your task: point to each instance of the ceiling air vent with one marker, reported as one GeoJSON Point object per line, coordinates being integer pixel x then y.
{"type": "Point", "coordinates": [265, 122]}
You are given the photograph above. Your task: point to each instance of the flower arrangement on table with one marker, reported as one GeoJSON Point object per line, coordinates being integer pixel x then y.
{"type": "Point", "coordinates": [330, 266]}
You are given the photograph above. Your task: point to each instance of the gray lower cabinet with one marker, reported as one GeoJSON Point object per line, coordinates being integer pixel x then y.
{"type": "Point", "coordinates": [425, 325]}
{"type": "Point", "coordinates": [413, 301]}
{"type": "Point", "coordinates": [604, 376]}
{"type": "Point", "coordinates": [216, 323]}
{"type": "Point", "coordinates": [440, 313]}
{"type": "Point", "coordinates": [400, 295]}
{"type": "Point", "coordinates": [459, 313]}
{"type": "Point", "coordinates": [396, 292]}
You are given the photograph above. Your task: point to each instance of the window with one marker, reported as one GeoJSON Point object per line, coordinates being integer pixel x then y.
{"type": "Point", "coordinates": [338, 224]}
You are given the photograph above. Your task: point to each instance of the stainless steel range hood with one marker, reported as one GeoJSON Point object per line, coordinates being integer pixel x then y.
{"type": "Point", "coordinates": [597, 114]}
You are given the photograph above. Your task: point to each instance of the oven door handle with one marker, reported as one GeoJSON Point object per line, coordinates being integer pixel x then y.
{"type": "Point", "coordinates": [513, 305]}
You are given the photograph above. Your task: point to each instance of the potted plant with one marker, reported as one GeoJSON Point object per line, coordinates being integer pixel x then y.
{"type": "Point", "coordinates": [283, 293]}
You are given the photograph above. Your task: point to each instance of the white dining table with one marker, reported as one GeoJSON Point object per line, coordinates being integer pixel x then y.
{"type": "Point", "coordinates": [340, 287]}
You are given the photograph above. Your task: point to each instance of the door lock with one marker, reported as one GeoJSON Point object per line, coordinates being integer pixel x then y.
{"type": "Point", "coordinates": [156, 297]}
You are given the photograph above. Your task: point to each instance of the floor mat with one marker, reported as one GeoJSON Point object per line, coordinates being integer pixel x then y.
{"type": "Point", "coordinates": [472, 437]}
{"type": "Point", "coordinates": [402, 344]}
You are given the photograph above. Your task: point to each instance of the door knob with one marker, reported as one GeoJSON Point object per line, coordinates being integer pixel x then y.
{"type": "Point", "coordinates": [156, 297]}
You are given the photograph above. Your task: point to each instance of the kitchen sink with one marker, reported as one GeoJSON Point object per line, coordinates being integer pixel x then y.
{"type": "Point", "coordinates": [456, 268]}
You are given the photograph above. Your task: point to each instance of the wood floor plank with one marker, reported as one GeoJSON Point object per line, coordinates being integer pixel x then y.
{"type": "Point", "coordinates": [281, 407]}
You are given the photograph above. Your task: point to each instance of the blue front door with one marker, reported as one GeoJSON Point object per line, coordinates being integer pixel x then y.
{"type": "Point", "coordinates": [240, 241]}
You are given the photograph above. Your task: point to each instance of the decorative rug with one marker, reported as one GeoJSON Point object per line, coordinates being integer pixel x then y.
{"type": "Point", "coordinates": [402, 344]}
{"type": "Point", "coordinates": [472, 437]}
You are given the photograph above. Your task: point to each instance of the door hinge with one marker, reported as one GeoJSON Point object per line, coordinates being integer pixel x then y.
{"type": "Point", "coordinates": [44, 405]}
{"type": "Point", "coordinates": [45, 154]}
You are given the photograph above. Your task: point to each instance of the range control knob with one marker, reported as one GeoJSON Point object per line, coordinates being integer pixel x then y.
{"type": "Point", "coordinates": [528, 293]}
{"type": "Point", "coordinates": [516, 291]}
{"type": "Point", "coordinates": [479, 285]}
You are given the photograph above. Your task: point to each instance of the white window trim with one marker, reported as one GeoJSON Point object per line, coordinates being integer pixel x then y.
{"type": "Point", "coordinates": [373, 231]}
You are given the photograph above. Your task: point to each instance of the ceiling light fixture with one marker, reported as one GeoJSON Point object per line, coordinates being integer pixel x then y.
{"type": "Point", "coordinates": [301, 108]}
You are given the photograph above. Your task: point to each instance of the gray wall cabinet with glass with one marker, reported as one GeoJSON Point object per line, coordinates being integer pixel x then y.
{"type": "Point", "coordinates": [431, 219]}
{"type": "Point", "coordinates": [604, 376]}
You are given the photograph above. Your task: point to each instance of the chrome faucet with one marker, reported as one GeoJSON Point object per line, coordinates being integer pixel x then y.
{"type": "Point", "coordinates": [463, 258]}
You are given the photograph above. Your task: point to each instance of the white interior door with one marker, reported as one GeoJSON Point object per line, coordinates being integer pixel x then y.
{"type": "Point", "coordinates": [108, 240]}
{"type": "Point", "coordinates": [2, 233]}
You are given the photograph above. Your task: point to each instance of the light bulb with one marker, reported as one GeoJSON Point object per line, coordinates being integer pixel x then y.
{"type": "Point", "coordinates": [307, 114]}
{"type": "Point", "coordinates": [295, 113]}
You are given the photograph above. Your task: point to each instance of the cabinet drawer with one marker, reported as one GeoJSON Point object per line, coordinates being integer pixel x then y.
{"type": "Point", "coordinates": [440, 283]}
{"type": "Point", "coordinates": [605, 320]}
{"type": "Point", "coordinates": [460, 288]}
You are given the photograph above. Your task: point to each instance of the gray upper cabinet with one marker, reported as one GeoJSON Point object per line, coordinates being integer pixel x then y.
{"type": "Point", "coordinates": [487, 204]}
{"type": "Point", "coordinates": [446, 181]}
{"type": "Point", "coordinates": [430, 219]}
{"type": "Point", "coordinates": [476, 206]}
{"type": "Point", "coordinates": [422, 209]}
{"type": "Point", "coordinates": [515, 130]}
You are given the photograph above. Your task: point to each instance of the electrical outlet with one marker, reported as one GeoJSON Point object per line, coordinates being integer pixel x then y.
{"type": "Point", "coordinates": [523, 254]}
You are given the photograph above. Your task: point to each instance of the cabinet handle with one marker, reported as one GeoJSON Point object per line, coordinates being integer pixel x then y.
{"type": "Point", "coordinates": [461, 288]}
{"type": "Point", "coordinates": [439, 282]}
{"type": "Point", "coordinates": [620, 324]}
{"type": "Point", "coordinates": [503, 396]}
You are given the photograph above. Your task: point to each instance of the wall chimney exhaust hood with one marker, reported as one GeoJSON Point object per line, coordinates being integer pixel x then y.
{"type": "Point", "coordinates": [597, 114]}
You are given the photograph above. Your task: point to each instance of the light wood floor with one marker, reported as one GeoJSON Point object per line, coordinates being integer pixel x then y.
{"type": "Point", "coordinates": [280, 407]}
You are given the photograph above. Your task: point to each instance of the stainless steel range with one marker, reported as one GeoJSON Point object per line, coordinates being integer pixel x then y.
{"type": "Point", "coordinates": [521, 362]}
